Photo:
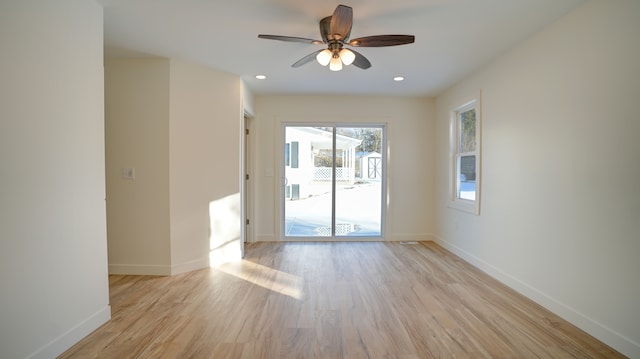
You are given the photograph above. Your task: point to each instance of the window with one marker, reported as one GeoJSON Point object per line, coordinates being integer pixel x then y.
{"type": "Point", "coordinates": [465, 156]}
{"type": "Point", "coordinates": [291, 154]}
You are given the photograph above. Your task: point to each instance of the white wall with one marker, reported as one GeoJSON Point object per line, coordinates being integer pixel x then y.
{"type": "Point", "coordinates": [53, 255]}
{"type": "Point", "coordinates": [411, 142]}
{"type": "Point", "coordinates": [137, 136]}
{"type": "Point", "coordinates": [205, 134]}
{"type": "Point", "coordinates": [179, 126]}
{"type": "Point", "coordinates": [560, 199]}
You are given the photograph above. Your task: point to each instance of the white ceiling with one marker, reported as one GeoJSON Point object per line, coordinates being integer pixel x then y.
{"type": "Point", "coordinates": [453, 39]}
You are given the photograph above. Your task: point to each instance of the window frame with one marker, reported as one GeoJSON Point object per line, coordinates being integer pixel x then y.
{"type": "Point", "coordinates": [467, 205]}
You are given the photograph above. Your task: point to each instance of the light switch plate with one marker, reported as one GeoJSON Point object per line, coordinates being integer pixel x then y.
{"type": "Point", "coordinates": [129, 173]}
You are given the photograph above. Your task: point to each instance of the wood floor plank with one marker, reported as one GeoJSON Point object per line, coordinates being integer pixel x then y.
{"type": "Point", "coordinates": [298, 343]}
{"type": "Point", "coordinates": [331, 300]}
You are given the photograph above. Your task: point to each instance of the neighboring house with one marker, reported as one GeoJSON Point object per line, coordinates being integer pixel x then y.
{"type": "Point", "coordinates": [305, 149]}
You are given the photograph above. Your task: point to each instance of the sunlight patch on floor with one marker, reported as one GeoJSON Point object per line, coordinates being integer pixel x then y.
{"type": "Point", "coordinates": [265, 277]}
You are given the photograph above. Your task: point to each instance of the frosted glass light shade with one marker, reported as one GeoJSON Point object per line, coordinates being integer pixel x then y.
{"type": "Point", "coordinates": [324, 57]}
{"type": "Point", "coordinates": [335, 64]}
{"type": "Point", "coordinates": [347, 56]}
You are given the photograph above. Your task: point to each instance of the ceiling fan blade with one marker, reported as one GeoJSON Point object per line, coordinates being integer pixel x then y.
{"type": "Point", "coordinates": [341, 22]}
{"type": "Point", "coordinates": [382, 40]}
{"type": "Point", "coordinates": [307, 59]}
{"type": "Point", "coordinates": [360, 61]}
{"type": "Point", "coordinates": [291, 39]}
{"type": "Point", "coordinates": [325, 28]}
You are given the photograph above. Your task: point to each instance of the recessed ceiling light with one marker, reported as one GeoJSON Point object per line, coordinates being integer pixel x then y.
{"type": "Point", "coordinates": [398, 78]}
{"type": "Point", "coordinates": [261, 77]}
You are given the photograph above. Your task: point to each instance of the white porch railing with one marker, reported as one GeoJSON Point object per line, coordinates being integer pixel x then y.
{"type": "Point", "coordinates": [324, 173]}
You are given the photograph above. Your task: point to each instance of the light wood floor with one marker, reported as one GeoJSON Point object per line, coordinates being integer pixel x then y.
{"type": "Point", "coordinates": [331, 300]}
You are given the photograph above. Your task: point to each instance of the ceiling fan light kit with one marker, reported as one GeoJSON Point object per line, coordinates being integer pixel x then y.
{"type": "Point", "coordinates": [347, 56]}
{"type": "Point", "coordinates": [335, 31]}
{"type": "Point", "coordinates": [335, 64]}
{"type": "Point", "coordinates": [324, 57]}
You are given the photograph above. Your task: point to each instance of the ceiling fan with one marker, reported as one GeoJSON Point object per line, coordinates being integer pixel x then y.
{"type": "Point", "coordinates": [335, 31]}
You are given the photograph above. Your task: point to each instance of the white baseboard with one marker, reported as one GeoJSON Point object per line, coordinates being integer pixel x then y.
{"type": "Point", "coordinates": [160, 270]}
{"type": "Point", "coordinates": [396, 237]}
{"type": "Point", "coordinates": [139, 269]}
{"type": "Point", "coordinates": [408, 237]}
{"type": "Point", "coordinates": [190, 266]}
{"type": "Point", "coordinates": [266, 238]}
{"type": "Point", "coordinates": [608, 336]}
{"type": "Point", "coordinates": [73, 335]}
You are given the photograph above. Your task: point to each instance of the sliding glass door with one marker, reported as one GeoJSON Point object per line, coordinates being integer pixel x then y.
{"type": "Point", "coordinates": [333, 181]}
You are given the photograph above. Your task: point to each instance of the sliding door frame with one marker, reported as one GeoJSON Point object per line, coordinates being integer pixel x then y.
{"type": "Point", "coordinates": [281, 181]}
